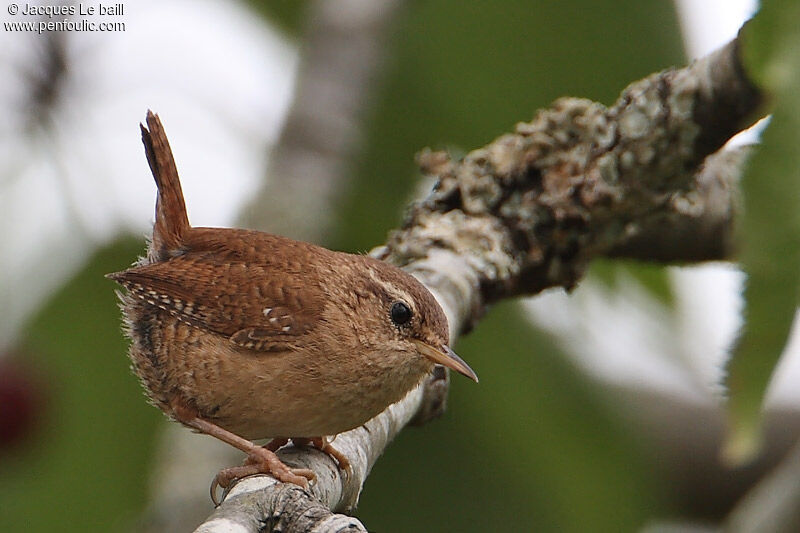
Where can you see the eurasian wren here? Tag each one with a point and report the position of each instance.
(246, 335)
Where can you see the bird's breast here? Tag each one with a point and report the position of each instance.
(295, 393)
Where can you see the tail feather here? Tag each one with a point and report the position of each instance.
(172, 222)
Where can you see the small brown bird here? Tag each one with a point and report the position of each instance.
(245, 335)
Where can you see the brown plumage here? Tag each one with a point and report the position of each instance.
(246, 335)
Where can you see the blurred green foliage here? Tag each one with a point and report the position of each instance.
(650, 276)
(87, 468)
(771, 224)
(288, 15)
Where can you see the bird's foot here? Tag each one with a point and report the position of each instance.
(261, 460)
(323, 445)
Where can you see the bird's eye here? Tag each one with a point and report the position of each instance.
(400, 313)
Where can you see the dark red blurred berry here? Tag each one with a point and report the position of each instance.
(21, 400)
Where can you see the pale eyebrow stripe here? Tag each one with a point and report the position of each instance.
(393, 292)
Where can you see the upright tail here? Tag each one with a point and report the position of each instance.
(172, 223)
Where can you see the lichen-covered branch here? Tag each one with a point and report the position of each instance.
(531, 209)
(695, 225)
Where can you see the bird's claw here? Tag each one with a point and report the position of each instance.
(260, 461)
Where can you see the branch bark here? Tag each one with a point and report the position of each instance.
(697, 224)
(531, 209)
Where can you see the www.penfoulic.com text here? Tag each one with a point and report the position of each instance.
(81, 17)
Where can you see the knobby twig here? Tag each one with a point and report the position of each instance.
(532, 208)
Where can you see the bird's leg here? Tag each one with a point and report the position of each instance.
(260, 460)
(273, 445)
(250, 467)
(323, 445)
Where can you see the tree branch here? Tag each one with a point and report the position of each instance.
(531, 209)
(695, 225)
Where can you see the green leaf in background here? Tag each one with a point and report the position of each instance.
(771, 225)
(288, 15)
(88, 467)
(650, 276)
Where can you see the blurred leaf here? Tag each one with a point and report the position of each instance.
(289, 15)
(652, 277)
(771, 224)
(88, 470)
(533, 447)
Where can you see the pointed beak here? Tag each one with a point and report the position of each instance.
(446, 357)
